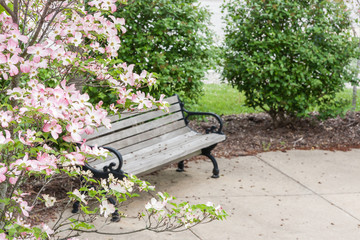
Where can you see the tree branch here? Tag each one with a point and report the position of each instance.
(8, 10)
(57, 10)
(25, 16)
(41, 22)
(16, 11)
(108, 233)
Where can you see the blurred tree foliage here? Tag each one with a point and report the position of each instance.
(288, 56)
(170, 38)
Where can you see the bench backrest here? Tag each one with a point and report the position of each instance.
(136, 130)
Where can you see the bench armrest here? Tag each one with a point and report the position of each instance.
(109, 168)
(213, 129)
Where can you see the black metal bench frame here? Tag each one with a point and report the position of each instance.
(115, 168)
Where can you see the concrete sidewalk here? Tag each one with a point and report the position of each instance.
(276, 195)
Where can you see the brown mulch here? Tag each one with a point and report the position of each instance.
(247, 134)
(57, 188)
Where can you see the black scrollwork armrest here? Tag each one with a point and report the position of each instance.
(109, 168)
(213, 129)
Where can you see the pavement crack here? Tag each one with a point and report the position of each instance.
(195, 234)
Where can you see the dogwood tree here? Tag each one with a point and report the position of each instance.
(45, 47)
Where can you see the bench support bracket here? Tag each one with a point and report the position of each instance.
(206, 152)
(180, 167)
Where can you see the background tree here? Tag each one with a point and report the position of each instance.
(288, 56)
(353, 7)
(170, 38)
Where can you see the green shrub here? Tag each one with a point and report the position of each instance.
(171, 38)
(288, 55)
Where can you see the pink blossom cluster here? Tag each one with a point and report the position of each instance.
(57, 51)
(104, 5)
(127, 88)
(64, 44)
(61, 104)
(62, 112)
(62, 38)
(10, 39)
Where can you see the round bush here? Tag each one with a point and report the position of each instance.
(288, 56)
(170, 38)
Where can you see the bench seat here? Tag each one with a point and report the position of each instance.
(145, 141)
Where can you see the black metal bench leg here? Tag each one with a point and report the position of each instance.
(207, 152)
(76, 207)
(115, 217)
(180, 167)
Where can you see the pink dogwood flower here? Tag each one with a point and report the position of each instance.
(77, 39)
(12, 61)
(25, 67)
(155, 204)
(46, 229)
(5, 118)
(49, 201)
(74, 159)
(142, 100)
(38, 51)
(16, 35)
(5, 139)
(75, 129)
(3, 170)
(54, 128)
(25, 208)
(46, 162)
(13, 46)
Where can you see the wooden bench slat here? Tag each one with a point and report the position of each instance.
(169, 145)
(183, 133)
(153, 149)
(171, 100)
(125, 123)
(146, 164)
(154, 157)
(116, 136)
(152, 137)
(146, 150)
(160, 135)
(171, 152)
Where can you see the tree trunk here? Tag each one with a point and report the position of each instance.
(3, 191)
(355, 90)
(354, 98)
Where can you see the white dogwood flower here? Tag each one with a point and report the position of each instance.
(49, 201)
(106, 208)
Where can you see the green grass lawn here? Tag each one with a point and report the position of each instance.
(222, 99)
(347, 95)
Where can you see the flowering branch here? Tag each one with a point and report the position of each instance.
(7, 9)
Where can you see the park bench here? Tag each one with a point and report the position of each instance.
(141, 142)
(144, 141)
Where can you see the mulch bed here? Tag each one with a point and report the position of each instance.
(248, 134)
